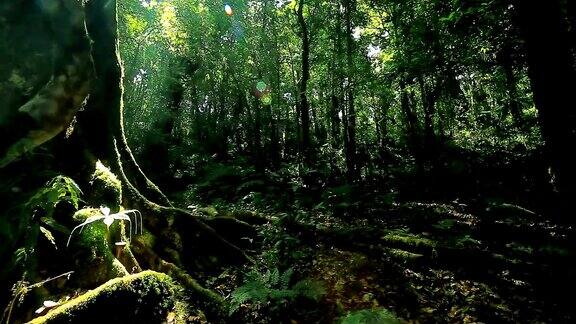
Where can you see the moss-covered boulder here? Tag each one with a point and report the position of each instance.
(147, 297)
(105, 188)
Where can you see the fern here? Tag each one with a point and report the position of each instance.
(59, 189)
(284, 279)
(371, 316)
(310, 289)
(273, 287)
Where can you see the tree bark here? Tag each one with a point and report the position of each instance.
(305, 149)
(53, 108)
(571, 11)
(350, 121)
(553, 81)
(337, 81)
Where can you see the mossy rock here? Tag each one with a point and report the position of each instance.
(106, 188)
(146, 297)
(93, 250)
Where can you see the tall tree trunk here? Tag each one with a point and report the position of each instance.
(571, 11)
(337, 81)
(275, 139)
(317, 124)
(274, 147)
(553, 79)
(350, 121)
(305, 149)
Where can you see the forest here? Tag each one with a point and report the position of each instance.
(287, 161)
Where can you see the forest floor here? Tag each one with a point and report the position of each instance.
(383, 260)
(394, 251)
(424, 262)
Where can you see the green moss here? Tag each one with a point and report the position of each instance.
(83, 214)
(147, 297)
(403, 256)
(408, 241)
(106, 188)
(209, 211)
(378, 315)
(146, 239)
(554, 251)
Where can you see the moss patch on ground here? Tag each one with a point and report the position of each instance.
(409, 241)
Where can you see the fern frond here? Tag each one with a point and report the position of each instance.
(310, 289)
(273, 286)
(285, 279)
(273, 278)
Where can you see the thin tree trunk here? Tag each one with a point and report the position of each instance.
(428, 103)
(257, 149)
(513, 104)
(382, 121)
(411, 125)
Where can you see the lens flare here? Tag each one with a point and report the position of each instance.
(228, 10)
(262, 91)
(266, 99)
(261, 86)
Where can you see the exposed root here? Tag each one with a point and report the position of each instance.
(234, 250)
(213, 303)
(140, 179)
(159, 217)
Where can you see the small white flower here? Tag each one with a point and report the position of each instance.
(108, 219)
